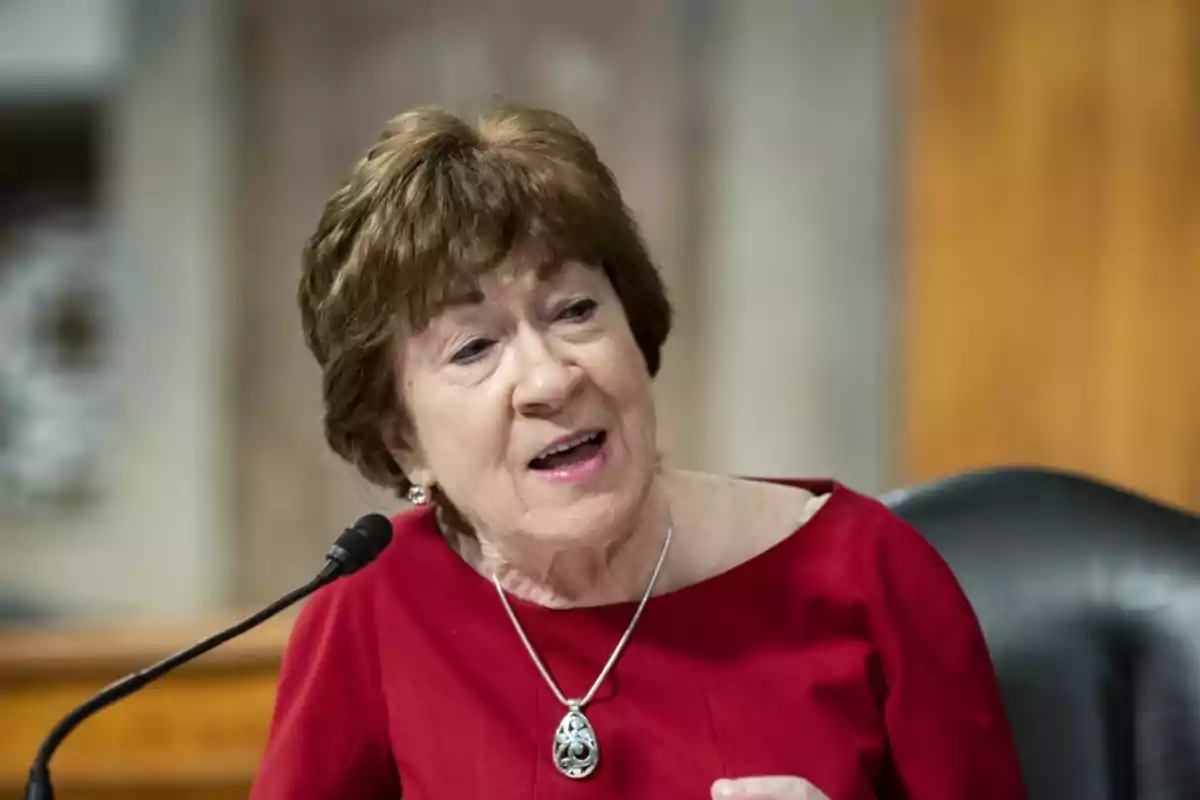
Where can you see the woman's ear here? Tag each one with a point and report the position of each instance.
(404, 449)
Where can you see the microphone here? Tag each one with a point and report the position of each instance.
(359, 545)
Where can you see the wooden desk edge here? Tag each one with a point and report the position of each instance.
(136, 644)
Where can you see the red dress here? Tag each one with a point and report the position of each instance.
(846, 655)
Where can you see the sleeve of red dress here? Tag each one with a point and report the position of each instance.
(947, 730)
(328, 736)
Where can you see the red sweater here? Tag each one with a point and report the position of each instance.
(846, 655)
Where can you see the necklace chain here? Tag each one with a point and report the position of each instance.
(576, 704)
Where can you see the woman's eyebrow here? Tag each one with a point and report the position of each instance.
(463, 298)
(549, 268)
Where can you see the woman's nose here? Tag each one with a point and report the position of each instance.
(548, 382)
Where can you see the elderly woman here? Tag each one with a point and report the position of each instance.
(560, 616)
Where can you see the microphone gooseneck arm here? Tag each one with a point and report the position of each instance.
(39, 786)
(358, 545)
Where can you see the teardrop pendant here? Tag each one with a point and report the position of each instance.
(576, 752)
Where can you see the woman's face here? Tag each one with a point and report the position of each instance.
(531, 406)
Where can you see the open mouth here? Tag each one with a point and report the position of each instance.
(571, 452)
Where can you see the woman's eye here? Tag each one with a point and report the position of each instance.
(578, 310)
(471, 351)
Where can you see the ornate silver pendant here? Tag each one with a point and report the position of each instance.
(576, 753)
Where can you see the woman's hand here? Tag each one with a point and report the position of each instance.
(766, 787)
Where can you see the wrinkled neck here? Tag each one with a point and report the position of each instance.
(614, 567)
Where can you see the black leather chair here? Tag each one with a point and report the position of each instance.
(1089, 597)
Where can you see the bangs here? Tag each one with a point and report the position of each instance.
(480, 209)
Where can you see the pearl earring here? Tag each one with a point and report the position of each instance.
(418, 495)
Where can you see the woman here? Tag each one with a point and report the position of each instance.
(559, 616)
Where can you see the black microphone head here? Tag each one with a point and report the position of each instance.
(360, 544)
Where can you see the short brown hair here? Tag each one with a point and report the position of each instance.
(432, 206)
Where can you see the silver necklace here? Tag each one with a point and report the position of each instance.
(576, 752)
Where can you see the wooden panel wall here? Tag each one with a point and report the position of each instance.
(1052, 289)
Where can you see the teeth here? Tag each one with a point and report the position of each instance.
(567, 445)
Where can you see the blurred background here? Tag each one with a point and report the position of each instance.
(903, 240)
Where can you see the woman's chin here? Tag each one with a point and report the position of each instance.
(594, 519)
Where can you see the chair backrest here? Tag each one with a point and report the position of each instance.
(1089, 597)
